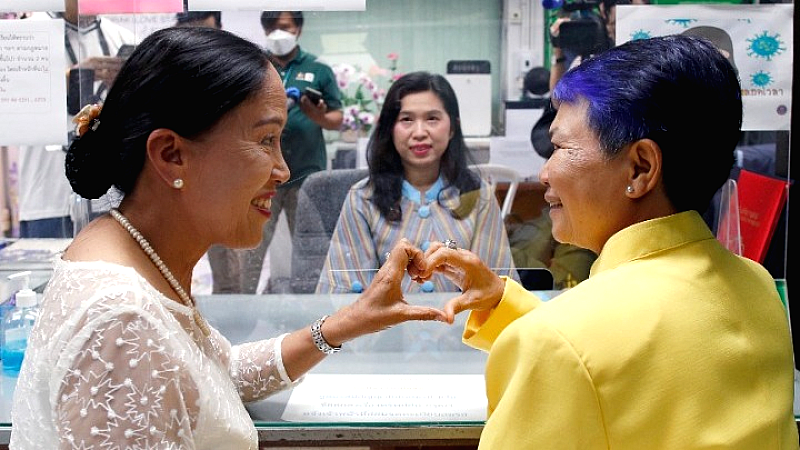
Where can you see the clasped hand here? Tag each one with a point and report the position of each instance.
(382, 305)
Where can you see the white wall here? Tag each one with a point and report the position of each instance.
(521, 41)
(523, 34)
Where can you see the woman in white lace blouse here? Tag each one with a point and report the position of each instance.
(119, 357)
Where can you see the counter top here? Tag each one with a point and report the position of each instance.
(429, 348)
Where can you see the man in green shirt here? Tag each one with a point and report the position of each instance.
(302, 143)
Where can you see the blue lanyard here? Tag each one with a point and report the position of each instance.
(287, 76)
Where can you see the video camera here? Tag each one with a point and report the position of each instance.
(585, 33)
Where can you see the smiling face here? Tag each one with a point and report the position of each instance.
(421, 135)
(239, 164)
(585, 189)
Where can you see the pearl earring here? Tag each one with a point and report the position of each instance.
(629, 189)
(178, 183)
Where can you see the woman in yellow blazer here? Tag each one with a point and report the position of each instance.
(673, 342)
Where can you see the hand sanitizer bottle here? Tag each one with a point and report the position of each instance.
(16, 328)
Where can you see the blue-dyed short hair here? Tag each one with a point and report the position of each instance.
(679, 91)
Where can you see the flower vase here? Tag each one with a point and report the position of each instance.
(348, 135)
(352, 135)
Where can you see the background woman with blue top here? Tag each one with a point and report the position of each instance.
(419, 187)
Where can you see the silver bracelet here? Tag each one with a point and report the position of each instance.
(319, 340)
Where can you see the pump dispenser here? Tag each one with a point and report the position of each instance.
(17, 325)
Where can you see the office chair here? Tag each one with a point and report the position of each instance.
(319, 203)
(494, 173)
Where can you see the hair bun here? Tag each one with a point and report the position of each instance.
(89, 166)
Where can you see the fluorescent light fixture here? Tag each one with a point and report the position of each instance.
(279, 5)
(129, 6)
(31, 5)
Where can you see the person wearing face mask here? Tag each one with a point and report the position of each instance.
(302, 143)
(120, 356)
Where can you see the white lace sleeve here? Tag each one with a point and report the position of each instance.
(257, 369)
(114, 364)
(125, 386)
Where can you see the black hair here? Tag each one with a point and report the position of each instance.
(537, 81)
(184, 79)
(385, 165)
(719, 37)
(190, 17)
(269, 18)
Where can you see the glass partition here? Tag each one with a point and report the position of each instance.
(497, 58)
(493, 54)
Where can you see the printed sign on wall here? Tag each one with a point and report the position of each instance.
(757, 39)
(33, 90)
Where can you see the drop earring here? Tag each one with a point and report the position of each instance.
(178, 183)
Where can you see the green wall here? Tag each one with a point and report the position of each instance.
(424, 33)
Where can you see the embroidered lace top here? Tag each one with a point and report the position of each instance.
(114, 364)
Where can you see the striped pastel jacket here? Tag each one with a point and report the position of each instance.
(362, 236)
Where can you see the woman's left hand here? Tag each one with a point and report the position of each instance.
(481, 288)
(315, 111)
(382, 305)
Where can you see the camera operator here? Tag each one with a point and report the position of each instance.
(581, 32)
(585, 28)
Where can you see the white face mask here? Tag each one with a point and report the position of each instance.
(280, 42)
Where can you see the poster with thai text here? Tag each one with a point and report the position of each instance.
(389, 398)
(33, 86)
(756, 38)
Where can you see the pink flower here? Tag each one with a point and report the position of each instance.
(392, 56)
(366, 118)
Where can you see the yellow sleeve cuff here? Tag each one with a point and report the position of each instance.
(482, 327)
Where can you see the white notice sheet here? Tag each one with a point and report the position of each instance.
(387, 398)
(33, 87)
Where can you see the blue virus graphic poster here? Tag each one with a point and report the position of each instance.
(757, 39)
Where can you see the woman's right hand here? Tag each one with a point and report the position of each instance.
(481, 289)
(383, 305)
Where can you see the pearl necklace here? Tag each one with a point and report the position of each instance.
(173, 282)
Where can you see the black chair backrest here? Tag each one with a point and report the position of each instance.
(319, 203)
